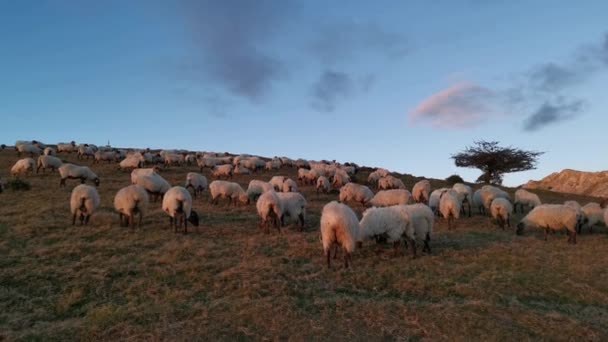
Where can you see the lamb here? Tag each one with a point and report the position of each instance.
(293, 204)
(129, 201)
(355, 192)
(525, 198)
(45, 161)
(594, 214)
(108, 156)
(388, 221)
(552, 217)
(220, 171)
(23, 167)
(386, 198)
(422, 220)
(154, 184)
(71, 171)
(269, 208)
(434, 199)
(177, 203)
(501, 210)
(143, 172)
(466, 193)
(49, 151)
(449, 206)
(323, 184)
(421, 191)
(132, 161)
(28, 148)
(390, 182)
(83, 202)
(277, 182)
(197, 182)
(289, 185)
(339, 226)
(230, 190)
(257, 188)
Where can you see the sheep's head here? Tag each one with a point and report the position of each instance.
(193, 218)
(520, 228)
(96, 181)
(244, 198)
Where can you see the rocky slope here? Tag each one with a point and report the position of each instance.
(573, 181)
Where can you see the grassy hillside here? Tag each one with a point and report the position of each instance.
(227, 280)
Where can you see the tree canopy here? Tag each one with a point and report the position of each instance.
(494, 161)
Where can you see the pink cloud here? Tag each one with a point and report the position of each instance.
(461, 105)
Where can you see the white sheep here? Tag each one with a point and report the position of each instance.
(289, 185)
(240, 170)
(422, 220)
(143, 172)
(390, 222)
(386, 198)
(28, 148)
(257, 188)
(49, 151)
(154, 184)
(46, 161)
(339, 226)
(277, 182)
(579, 209)
(525, 198)
(323, 184)
(171, 159)
(478, 201)
(421, 191)
(108, 156)
(22, 167)
(488, 193)
(270, 209)
(71, 171)
(273, 165)
(466, 193)
(177, 203)
(83, 202)
(373, 177)
(66, 147)
(355, 192)
(220, 171)
(130, 201)
(132, 161)
(390, 182)
(552, 217)
(449, 206)
(293, 205)
(229, 190)
(197, 182)
(594, 214)
(312, 176)
(501, 210)
(302, 175)
(85, 151)
(340, 179)
(434, 199)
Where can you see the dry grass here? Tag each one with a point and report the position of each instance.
(228, 281)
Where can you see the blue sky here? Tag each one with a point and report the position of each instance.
(397, 84)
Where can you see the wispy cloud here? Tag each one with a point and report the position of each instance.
(553, 112)
(331, 87)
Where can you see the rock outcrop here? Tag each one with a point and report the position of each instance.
(576, 182)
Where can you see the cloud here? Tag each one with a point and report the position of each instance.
(461, 105)
(331, 87)
(553, 112)
(551, 77)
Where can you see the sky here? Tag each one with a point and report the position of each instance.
(395, 84)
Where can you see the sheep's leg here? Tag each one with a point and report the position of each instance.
(328, 257)
(185, 223)
(74, 219)
(141, 218)
(509, 221)
(336, 249)
(450, 222)
(546, 233)
(469, 205)
(574, 238)
(414, 248)
(131, 221)
(346, 258)
(427, 246)
(86, 219)
(301, 217)
(396, 246)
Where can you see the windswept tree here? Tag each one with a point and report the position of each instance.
(494, 161)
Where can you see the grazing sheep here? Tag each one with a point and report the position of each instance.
(434, 199)
(85, 151)
(387, 198)
(273, 165)
(421, 191)
(323, 185)
(488, 193)
(277, 182)
(220, 171)
(83, 202)
(46, 161)
(340, 227)
(240, 170)
(197, 182)
(579, 209)
(130, 201)
(355, 192)
(552, 217)
(501, 210)
(422, 220)
(177, 203)
(108, 156)
(28, 148)
(449, 206)
(478, 202)
(289, 185)
(229, 190)
(312, 176)
(390, 222)
(594, 214)
(71, 171)
(525, 198)
(171, 159)
(65, 147)
(340, 179)
(374, 177)
(143, 172)
(133, 161)
(22, 167)
(49, 151)
(257, 188)
(293, 204)
(270, 210)
(154, 184)
(466, 193)
(389, 182)
(302, 175)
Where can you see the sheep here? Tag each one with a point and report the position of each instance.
(579, 209)
(355, 192)
(208, 162)
(49, 151)
(132, 161)
(277, 182)
(190, 159)
(65, 147)
(501, 210)
(434, 199)
(289, 185)
(197, 182)
(83, 202)
(421, 191)
(257, 188)
(142, 172)
(269, 207)
(240, 170)
(390, 222)
(323, 184)
(108, 156)
(28, 148)
(230, 190)
(478, 201)
(301, 163)
(129, 201)
(314, 174)
(302, 175)
(340, 179)
(373, 177)
(390, 182)
(552, 217)
(45, 161)
(339, 226)
(273, 165)
(220, 171)
(594, 214)
(525, 198)
(154, 184)
(466, 193)
(71, 171)
(386, 198)
(488, 193)
(23, 167)
(293, 204)
(422, 220)
(85, 151)
(171, 159)
(449, 206)
(177, 203)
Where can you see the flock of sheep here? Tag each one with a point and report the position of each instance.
(395, 214)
